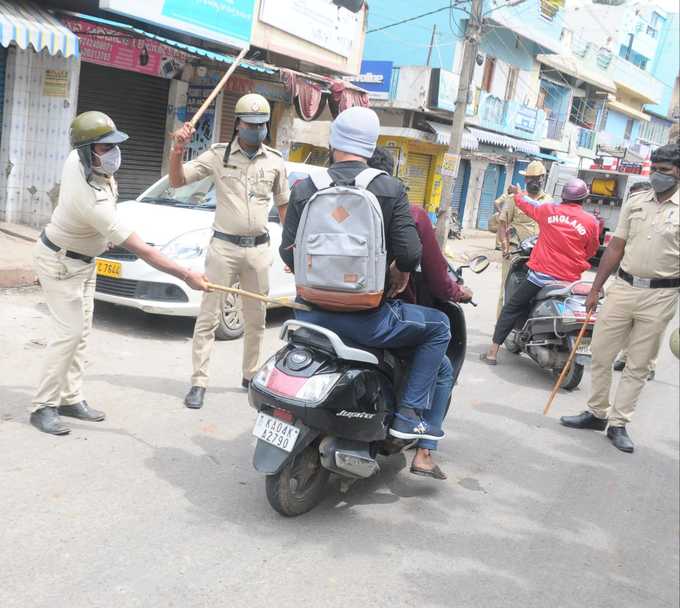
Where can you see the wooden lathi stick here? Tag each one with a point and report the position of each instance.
(218, 88)
(257, 296)
(566, 368)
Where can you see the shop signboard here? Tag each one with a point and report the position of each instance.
(375, 77)
(110, 47)
(322, 23)
(228, 22)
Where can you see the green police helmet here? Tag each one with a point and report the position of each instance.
(94, 128)
(675, 342)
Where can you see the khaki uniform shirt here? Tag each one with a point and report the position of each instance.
(244, 188)
(85, 219)
(652, 233)
(512, 216)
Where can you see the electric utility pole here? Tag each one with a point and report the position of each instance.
(452, 159)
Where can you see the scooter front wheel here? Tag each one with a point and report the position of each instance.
(573, 377)
(298, 487)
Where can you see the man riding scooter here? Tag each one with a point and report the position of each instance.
(436, 284)
(568, 238)
(392, 324)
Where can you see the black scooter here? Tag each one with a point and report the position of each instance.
(325, 406)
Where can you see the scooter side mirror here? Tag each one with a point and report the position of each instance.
(479, 264)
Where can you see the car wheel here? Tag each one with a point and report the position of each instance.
(231, 318)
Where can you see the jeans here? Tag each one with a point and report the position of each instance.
(435, 415)
(397, 325)
(514, 308)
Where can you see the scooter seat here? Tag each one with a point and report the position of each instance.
(552, 290)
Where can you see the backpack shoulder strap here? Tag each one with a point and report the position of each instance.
(364, 179)
(321, 180)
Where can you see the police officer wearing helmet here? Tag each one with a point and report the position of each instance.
(247, 174)
(510, 216)
(641, 301)
(83, 224)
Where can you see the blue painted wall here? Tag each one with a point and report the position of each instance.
(666, 63)
(503, 44)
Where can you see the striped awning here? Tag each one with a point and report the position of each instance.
(504, 141)
(26, 24)
(442, 134)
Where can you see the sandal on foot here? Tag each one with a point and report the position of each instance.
(435, 472)
(488, 360)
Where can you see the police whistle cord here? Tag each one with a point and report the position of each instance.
(257, 296)
(567, 367)
(220, 85)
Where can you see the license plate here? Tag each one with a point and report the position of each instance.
(276, 432)
(109, 269)
(584, 347)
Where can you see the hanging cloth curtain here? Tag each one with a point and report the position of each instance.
(307, 96)
(343, 97)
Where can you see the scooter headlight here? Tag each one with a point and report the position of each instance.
(312, 389)
(262, 376)
(317, 387)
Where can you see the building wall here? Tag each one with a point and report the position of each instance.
(615, 127)
(34, 136)
(666, 64)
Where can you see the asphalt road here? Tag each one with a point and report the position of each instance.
(160, 506)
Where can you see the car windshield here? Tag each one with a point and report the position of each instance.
(200, 194)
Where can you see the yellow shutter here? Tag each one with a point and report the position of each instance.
(417, 174)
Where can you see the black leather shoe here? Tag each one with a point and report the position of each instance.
(584, 420)
(651, 376)
(619, 437)
(194, 398)
(619, 364)
(47, 420)
(245, 383)
(82, 411)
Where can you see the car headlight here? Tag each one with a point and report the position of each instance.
(189, 245)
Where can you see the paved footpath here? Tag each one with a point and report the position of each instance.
(159, 506)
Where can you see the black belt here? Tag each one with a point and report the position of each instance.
(69, 254)
(649, 283)
(243, 241)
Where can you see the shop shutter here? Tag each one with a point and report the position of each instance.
(227, 121)
(417, 174)
(460, 188)
(138, 105)
(488, 196)
(3, 61)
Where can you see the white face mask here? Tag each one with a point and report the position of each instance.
(110, 161)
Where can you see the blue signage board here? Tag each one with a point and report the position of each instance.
(376, 78)
(226, 21)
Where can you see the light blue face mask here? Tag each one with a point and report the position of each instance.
(253, 137)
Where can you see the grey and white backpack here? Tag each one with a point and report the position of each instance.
(340, 251)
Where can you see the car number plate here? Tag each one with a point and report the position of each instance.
(109, 269)
(276, 432)
(584, 347)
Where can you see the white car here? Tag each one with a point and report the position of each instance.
(179, 222)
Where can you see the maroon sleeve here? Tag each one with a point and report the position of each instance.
(433, 265)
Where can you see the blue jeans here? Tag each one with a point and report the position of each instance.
(397, 325)
(435, 415)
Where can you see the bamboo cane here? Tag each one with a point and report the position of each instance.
(218, 88)
(566, 368)
(257, 296)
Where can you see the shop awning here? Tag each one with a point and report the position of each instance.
(442, 134)
(504, 141)
(570, 65)
(547, 156)
(29, 25)
(188, 48)
(624, 108)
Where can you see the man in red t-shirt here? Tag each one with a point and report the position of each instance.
(568, 237)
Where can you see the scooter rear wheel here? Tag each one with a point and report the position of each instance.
(299, 486)
(573, 377)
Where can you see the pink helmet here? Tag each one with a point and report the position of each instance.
(575, 190)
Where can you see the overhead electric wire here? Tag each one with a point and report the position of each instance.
(415, 17)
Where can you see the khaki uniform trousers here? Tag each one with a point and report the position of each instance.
(68, 286)
(226, 264)
(505, 270)
(635, 317)
(623, 356)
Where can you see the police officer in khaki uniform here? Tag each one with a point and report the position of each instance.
(247, 176)
(511, 217)
(83, 224)
(641, 301)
